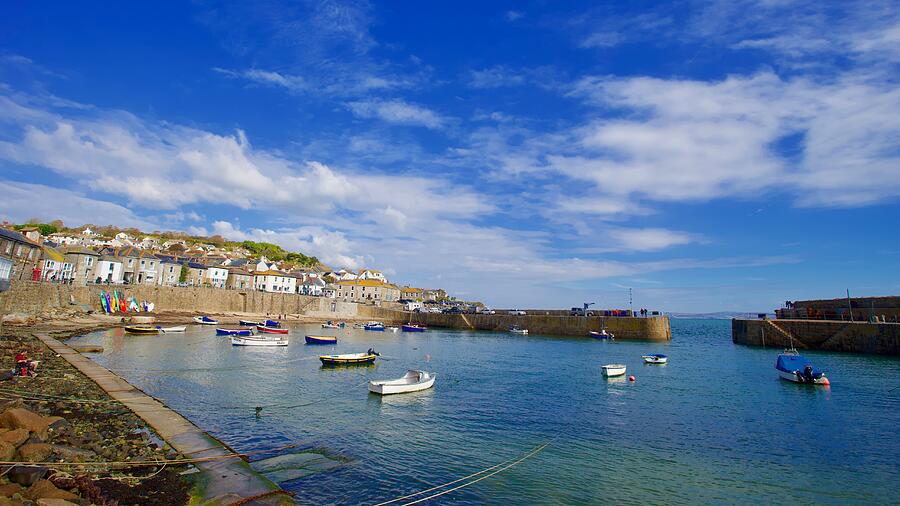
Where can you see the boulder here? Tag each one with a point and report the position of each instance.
(21, 418)
(15, 402)
(55, 502)
(43, 489)
(15, 437)
(7, 451)
(72, 454)
(9, 489)
(27, 475)
(35, 452)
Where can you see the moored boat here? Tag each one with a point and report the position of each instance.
(413, 327)
(330, 325)
(321, 340)
(516, 330)
(234, 332)
(374, 326)
(392, 329)
(348, 359)
(205, 320)
(172, 329)
(602, 334)
(141, 329)
(655, 358)
(793, 366)
(271, 330)
(412, 381)
(248, 323)
(611, 370)
(270, 323)
(258, 341)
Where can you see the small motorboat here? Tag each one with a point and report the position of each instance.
(516, 330)
(655, 358)
(412, 381)
(234, 332)
(413, 327)
(321, 340)
(392, 329)
(141, 329)
(374, 326)
(171, 329)
(271, 330)
(205, 320)
(330, 325)
(359, 326)
(248, 323)
(270, 323)
(793, 366)
(348, 359)
(258, 341)
(611, 370)
(602, 334)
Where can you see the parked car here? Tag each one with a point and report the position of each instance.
(579, 311)
(453, 310)
(517, 312)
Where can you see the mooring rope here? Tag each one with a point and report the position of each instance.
(503, 466)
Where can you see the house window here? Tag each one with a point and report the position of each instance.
(8, 247)
(142, 263)
(19, 250)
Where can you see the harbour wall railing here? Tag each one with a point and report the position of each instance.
(853, 337)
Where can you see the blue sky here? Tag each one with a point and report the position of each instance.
(710, 155)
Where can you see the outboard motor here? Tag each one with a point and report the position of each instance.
(808, 374)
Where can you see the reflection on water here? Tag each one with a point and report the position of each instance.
(715, 425)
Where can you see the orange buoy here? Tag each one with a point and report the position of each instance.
(631, 378)
(826, 382)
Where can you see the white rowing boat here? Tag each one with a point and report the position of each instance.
(656, 358)
(516, 330)
(611, 370)
(172, 329)
(412, 381)
(258, 341)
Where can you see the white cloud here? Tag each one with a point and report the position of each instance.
(648, 239)
(22, 201)
(266, 77)
(513, 15)
(397, 111)
(495, 77)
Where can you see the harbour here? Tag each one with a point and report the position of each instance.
(491, 402)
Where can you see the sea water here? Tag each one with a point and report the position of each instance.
(714, 425)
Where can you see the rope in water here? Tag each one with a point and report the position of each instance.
(503, 466)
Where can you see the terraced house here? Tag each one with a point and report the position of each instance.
(367, 290)
(19, 256)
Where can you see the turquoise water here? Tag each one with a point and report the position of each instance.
(715, 425)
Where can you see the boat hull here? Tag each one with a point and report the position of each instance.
(234, 332)
(413, 328)
(796, 378)
(270, 330)
(208, 321)
(257, 341)
(321, 340)
(613, 370)
(141, 330)
(655, 359)
(330, 326)
(374, 329)
(401, 386)
(600, 335)
(347, 359)
(172, 329)
(247, 323)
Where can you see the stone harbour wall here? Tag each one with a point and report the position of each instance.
(651, 328)
(856, 337)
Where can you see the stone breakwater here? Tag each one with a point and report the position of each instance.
(654, 328)
(853, 337)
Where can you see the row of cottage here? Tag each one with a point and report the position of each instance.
(28, 257)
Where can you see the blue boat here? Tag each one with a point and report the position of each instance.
(247, 323)
(793, 366)
(412, 327)
(374, 326)
(603, 334)
(271, 324)
(321, 340)
(234, 332)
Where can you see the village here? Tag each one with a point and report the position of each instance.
(87, 257)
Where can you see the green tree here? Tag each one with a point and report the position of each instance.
(184, 273)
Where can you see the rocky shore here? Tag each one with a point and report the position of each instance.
(60, 418)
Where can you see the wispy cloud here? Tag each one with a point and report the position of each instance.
(398, 112)
(266, 77)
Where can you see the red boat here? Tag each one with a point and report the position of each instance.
(271, 330)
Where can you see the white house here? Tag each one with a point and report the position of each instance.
(55, 267)
(345, 275)
(217, 276)
(274, 282)
(311, 285)
(371, 274)
(146, 270)
(110, 270)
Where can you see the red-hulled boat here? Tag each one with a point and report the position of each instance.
(271, 330)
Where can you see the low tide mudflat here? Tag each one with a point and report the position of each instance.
(714, 425)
